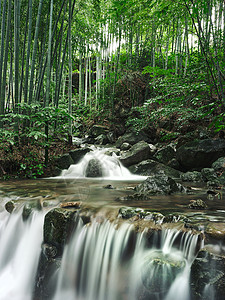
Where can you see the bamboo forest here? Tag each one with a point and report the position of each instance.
(112, 149)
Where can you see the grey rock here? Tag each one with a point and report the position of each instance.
(208, 269)
(101, 139)
(9, 206)
(158, 184)
(78, 154)
(150, 167)
(208, 174)
(125, 146)
(165, 154)
(96, 130)
(194, 176)
(64, 161)
(200, 154)
(132, 138)
(94, 168)
(219, 164)
(136, 154)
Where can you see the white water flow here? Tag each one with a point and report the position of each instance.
(111, 167)
(105, 263)
(19, 254)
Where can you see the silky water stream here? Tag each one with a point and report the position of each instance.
(102, 260)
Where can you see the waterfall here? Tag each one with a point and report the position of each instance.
(105, 263)
(19, 254)
(99, 165)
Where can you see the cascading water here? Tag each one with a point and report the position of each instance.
(98, 164)
(102, 263)
(19, 254)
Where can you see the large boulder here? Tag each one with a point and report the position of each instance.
(78, 154)
(58, 224)
(149, 167)
(165, 154)
(200, 154)
(133, 138)
(158, 184)
(94, 168)
(64, 161)
(208, 276)
(137, 153)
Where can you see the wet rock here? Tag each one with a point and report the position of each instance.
(208, 276)
(215, 231)
(94, 168)
(125, 146)
(78, 154)
(9, 206)
(64, 161)
(200, 154)
(128, 212)
(197, 204)
(136, 154)
(192, 176)
(208, 174)
(165, 154)
(158, 184)
(31, 206)
(109, 187)
(150, 167)
(58, 224)
(159, 271)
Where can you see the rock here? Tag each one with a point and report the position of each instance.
(101, 139)
(132, 138)
(125, 146)
(30, 206)
(197, 204)
(57, 226)
(109, 187)
(96, 130)
(165, 154)
(94, 168)
(78, 154)
(200, 154)
(192, 176)
(9, 206)
(173, 163)
(64, 161)
(73, 204)
(158, 184)
(111, 137)
(136, 154)
(127, 212)
(215, 231)
(134, 197)
(208, 276)
(150, 167)
(208, 174)
(159, 271)
(219, 164)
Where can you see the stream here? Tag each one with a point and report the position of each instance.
(101, 261)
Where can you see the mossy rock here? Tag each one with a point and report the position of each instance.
(57, 226)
